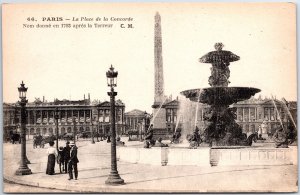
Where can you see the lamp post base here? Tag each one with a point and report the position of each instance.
(93, 142)
(27, 161)
(23, 171)
(114, 179)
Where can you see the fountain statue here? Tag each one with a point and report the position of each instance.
(280, 138)
(220, 127)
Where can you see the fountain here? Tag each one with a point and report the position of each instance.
(221, 128)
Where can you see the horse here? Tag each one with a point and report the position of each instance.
(38, 141)
(15, 137)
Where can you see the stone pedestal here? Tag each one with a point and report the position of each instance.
(159, 122)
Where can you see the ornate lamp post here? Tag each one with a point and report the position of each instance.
(93, 124)
(114, 177)
(74, 132)
(56, 123)
(97, 130)
(23, 169)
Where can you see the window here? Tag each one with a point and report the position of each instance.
(240, 114)
(259, 115)
(247, 128)
(100, 112)
(266, 113)
(87, 114)
(63, 114)
(168, 118)
(252, 114)
(272, 114)
(246, 114)
(81, 113)
(253, 128)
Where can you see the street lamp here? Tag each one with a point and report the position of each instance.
(23, 169)
(74, 131)
(97, 130)
(93, 123)
(114, 177)
(56, 123)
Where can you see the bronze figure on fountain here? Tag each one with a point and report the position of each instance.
(280, 138)
(149, 141)
(194, 139)
(176, 136)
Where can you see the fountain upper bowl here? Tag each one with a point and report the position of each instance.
(220, 95)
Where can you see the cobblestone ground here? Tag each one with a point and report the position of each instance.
(94, 168)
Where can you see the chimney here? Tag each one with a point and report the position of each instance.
(43, 99)
(89, 96)
(84, 96)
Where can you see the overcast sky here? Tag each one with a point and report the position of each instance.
(68, 63)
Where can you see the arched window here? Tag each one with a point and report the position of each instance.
(62, 130)
(50, 130)
(38, 131)
(44, 131)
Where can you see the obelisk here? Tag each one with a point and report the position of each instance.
(159, 113)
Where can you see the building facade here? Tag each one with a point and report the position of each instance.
(79, 115)
(136, 120)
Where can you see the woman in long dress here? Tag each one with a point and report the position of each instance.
(52, 154)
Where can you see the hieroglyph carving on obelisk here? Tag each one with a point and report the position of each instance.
(159, 113)
(158, 61)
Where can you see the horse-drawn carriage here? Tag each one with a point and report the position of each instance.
(15, 138)
(42, 140)
(38, 141)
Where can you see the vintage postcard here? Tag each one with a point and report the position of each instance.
(149, 97)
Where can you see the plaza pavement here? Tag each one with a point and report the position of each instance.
(94, 168)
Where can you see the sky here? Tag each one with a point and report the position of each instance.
(66, 63)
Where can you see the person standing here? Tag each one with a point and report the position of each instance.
(73, 162)
(66, 152)
(52, 154)
(61, 159)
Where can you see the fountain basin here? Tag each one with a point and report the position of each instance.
(223, 156)
(220, 95)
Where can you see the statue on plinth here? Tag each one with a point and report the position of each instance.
(195, 139)
(149, 138)
(176, 136)
(280, 138)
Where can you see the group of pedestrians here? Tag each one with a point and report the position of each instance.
(66, 157)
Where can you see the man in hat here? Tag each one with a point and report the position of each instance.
(66, 152)
(72, 164)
